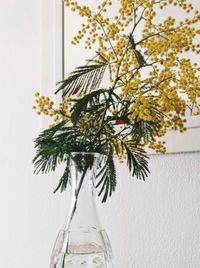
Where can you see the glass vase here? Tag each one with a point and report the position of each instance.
(82, 243)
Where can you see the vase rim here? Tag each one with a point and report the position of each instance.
(87, 153)
(97, 157)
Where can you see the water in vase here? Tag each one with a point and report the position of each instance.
(84, 256)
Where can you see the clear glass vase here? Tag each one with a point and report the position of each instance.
(82, 243)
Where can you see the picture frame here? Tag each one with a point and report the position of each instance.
(56, 50)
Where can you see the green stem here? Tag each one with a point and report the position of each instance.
(76, 200)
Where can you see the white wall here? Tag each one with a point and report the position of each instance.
(20, 202)
(151, 225)
(155, 224)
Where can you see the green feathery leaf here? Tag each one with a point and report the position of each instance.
(136, 159)
(64, 179)
(52, 146)
(84, 78)
(144, 131)
(81, 104)
(107, 176)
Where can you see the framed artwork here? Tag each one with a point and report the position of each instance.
(59, 58)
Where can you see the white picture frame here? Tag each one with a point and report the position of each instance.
(54, 61)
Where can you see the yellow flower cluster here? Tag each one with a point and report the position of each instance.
(189, 82)
(188, 7)
(143, 109)
(88, 123)
(158, 147)
(45, 106)
(196, 110)
(154, 72)
(119, 153)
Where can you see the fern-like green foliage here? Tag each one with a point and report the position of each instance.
(55, 145)
(136, 159)
(65, 177)
(81, 105)
(87, 77)
(107, 175)
(93, 130)
(50, 151)
(143, 131)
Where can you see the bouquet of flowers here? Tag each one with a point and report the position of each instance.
(153, 80)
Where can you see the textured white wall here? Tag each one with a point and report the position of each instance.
(20, 64)
(155, 224)
(151, 225)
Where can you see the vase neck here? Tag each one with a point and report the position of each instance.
(83, 169)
